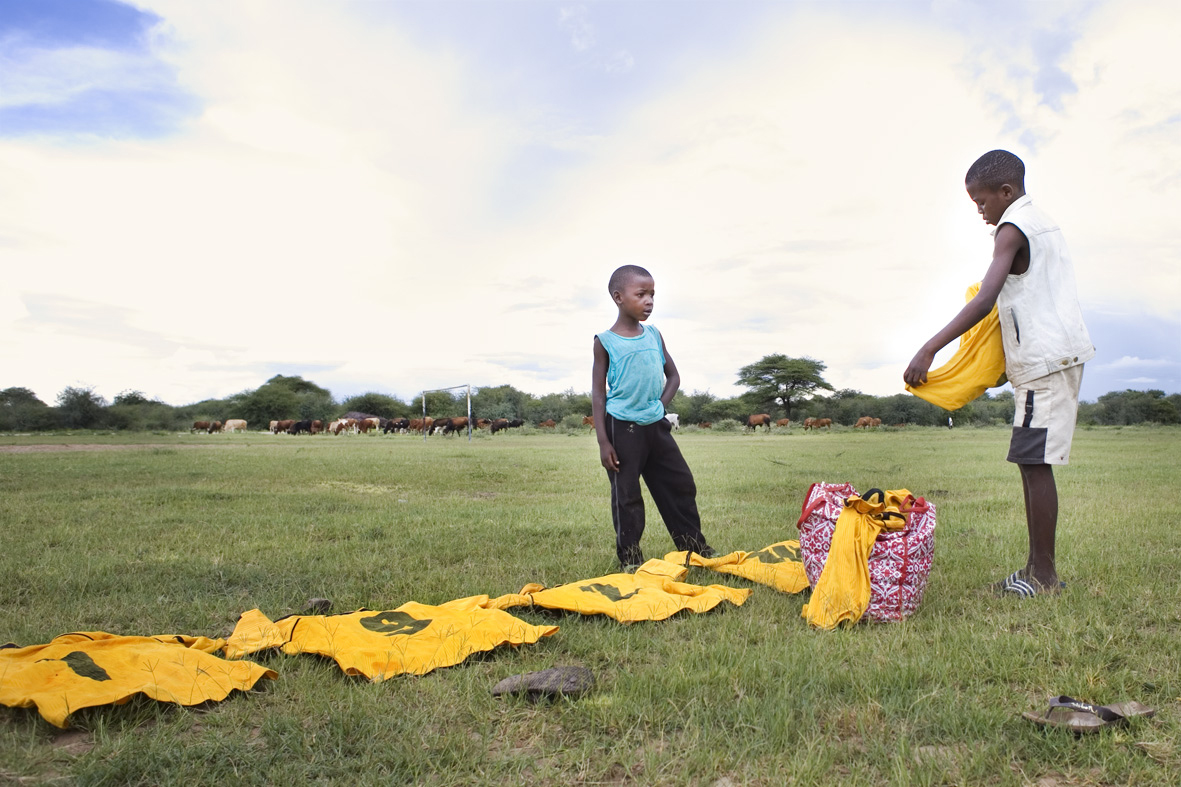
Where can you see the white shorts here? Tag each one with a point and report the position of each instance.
(1043, 425)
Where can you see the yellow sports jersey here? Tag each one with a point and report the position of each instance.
(654, 592)
(777, 566)
(89, 668)
(842, 592)
(414, 638)
(977, 365)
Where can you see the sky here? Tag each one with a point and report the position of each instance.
(398, 196)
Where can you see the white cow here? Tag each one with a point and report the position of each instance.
(673, 419)
(234, 425)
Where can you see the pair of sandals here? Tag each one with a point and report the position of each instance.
(1082, 717)
(1022, 586)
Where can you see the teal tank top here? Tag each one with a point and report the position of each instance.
(635, 375)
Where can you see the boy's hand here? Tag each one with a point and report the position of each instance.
(608, 458)
(916, 372)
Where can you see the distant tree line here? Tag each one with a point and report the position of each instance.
(784, 387)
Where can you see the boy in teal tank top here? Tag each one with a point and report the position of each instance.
(633, 380)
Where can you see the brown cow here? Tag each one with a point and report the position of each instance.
(547, 424)
(783, 422)
(588, 420)
(200, 426)
(876, 422)
(755, 421)
(365, 424)
(499, 424)
(284, 426)
(214, 426)
(864, 422)
(823, 423)
(809, 423)
(317, 427)
(705, 425)
(453, 425)
(483, 423)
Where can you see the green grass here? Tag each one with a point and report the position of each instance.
(187, 532)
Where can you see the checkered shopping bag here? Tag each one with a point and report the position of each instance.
(899, 563)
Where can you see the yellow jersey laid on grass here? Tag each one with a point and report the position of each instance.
(777, 565)
(412, 639)
(90, 668)
(654, 592)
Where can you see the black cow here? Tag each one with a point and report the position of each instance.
(300, 426)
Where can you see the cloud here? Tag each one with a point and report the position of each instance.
(797, 192)
(85, 70)
(574, 20)
(618, 62)
(1132, 362)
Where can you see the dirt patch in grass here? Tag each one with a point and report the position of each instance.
(74, 742)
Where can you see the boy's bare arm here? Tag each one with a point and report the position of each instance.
(1009, 241)
(599, 407)
(672, 378)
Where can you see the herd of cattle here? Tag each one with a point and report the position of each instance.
(753, 422)
(363, 424)
(231, 425)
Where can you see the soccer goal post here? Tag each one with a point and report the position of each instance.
(467, 386)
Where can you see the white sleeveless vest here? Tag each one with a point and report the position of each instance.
(1041, 323)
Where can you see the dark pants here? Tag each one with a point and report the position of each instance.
(651, 453)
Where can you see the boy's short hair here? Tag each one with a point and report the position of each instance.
(623, 275)
(996, 168)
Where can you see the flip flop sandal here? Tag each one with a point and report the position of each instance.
(1084, 717)
(1016, 585)
(1114, 711)
(1023, 588)
(999, 587)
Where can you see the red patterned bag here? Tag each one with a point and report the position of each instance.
(899, 563)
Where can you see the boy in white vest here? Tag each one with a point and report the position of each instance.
(1031, 280)
(632, 381)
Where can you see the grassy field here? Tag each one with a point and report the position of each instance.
(183, 533)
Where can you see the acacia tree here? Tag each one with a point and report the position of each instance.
(784, 380)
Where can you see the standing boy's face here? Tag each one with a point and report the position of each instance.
(635, 297)
(991, 203)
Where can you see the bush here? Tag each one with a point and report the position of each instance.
(80, 408)
(573, 423)
(727, 425)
